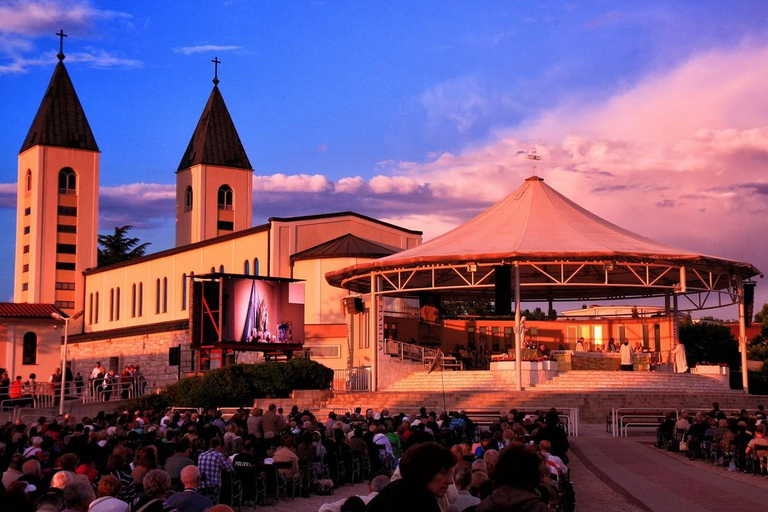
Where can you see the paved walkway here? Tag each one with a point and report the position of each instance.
(641, 477)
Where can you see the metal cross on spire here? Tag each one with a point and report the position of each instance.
(533, 156)
(61, 35)
(216, 63)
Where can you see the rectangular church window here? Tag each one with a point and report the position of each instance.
(68, 211)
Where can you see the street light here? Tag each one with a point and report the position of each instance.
(65, 319)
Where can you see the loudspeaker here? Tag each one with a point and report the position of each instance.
(503, 290)
(749, 302)
(354, 305)
(174, 356)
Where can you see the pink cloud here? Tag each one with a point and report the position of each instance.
(292, 183)
(41, 16)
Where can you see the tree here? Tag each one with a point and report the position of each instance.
(118, 247)
(761, 317)
(709, 343)
(536, 314)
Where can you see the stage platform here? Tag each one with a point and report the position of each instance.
(595, 393)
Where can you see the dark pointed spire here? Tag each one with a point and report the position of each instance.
(215, 141)
(60, 120)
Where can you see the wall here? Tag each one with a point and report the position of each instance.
(49, 336)
(150, 351)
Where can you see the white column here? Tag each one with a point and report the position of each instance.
(518, 333)
(373, 334)
(743, 339)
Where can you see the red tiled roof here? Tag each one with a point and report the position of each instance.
(23, 310)
(60, 120)
(215, 141)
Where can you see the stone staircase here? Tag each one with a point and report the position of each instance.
(586, 381)
(594, 393)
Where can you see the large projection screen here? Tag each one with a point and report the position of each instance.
(235, 309)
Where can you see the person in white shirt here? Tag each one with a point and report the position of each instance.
(626, 357)
(553, 460)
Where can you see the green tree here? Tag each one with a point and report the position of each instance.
(761, 317)
(709, 343)
(536, 314)
(118, 247)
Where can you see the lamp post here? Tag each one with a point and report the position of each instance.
(65, 319)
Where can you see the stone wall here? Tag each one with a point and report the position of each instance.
(600, 362)
(149, 351)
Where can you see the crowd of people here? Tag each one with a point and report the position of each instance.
(736, 441)
(199, 460)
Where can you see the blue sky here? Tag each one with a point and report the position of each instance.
(419, 113)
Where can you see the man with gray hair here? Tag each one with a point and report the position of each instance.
(378, 483)
(190, 499)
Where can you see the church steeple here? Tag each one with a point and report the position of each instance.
(60, 120)
(213, 180)
(215, 140)
(57, 199)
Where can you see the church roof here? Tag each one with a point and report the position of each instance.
(345, 246)
(24, 310)
(60, 120)
(215, 141)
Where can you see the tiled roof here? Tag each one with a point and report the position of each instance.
(215, 141)
(23, 310)
(345, 246)
(60, 120)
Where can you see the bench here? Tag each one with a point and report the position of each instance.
(622, 418)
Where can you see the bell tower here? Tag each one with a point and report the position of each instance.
(57, 199)
(213, 180)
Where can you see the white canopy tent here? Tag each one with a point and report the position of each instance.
(559, 252)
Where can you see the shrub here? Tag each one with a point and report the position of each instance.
(239, 385)
(711, 343)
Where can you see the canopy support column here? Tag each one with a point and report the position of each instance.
(518, 332)
(373, 336)
(743, 338)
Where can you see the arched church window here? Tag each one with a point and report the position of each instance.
(96, 309)
(141, 299)
(255, 266)
(157, 297)
(183, 292)
(133, 300)
(117, 303)
(67, 182)
(188, 199)
(165, 295)
(111, 304)
(221, 269)
(28, 182)
(247, 267)
(225, 197)
(29, 349)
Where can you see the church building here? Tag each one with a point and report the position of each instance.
(138, 312)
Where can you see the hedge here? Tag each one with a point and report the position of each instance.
(238, 385)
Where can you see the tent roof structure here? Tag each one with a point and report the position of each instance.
(549, 233)
(347, 245)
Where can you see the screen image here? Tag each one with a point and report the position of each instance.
(248, 311)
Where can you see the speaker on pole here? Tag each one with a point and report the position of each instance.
(503, 290)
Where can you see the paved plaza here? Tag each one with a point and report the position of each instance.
(625, 475)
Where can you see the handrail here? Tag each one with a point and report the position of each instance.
(416, 352)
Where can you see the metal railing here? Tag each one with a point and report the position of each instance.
(619, 426)
(408, 351)
(352, 379)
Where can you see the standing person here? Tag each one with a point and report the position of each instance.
(79, 384)
(612, 346)
(5, 384)
(680, 360)
(109, 382)
(97, 369)
(271, 423)
(55, 381)
(626, 357)
(580, 345)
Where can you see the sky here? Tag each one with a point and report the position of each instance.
(651, 114)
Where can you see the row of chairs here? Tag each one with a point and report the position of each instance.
(718, 451)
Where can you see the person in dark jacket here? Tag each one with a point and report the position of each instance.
(426, 475)
(518, 474)
(556, 435)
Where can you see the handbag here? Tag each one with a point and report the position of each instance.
(683, 446)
